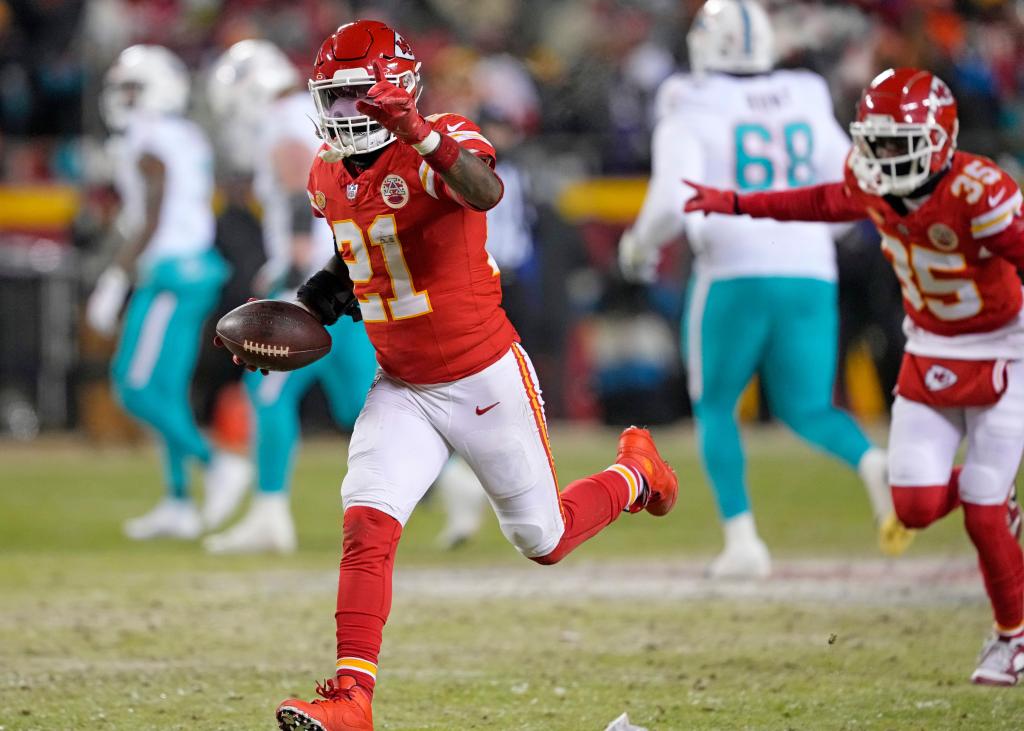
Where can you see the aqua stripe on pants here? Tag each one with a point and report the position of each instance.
(156, 355)
(784, 328)
(345, 374)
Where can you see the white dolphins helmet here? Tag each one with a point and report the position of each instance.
(733, 36)
(144, 78)
(242, 85)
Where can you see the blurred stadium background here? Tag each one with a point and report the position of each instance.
(569, 83)
(143, 637)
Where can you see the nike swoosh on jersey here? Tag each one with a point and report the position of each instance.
(995, 200)
(453, 127)
(481, 412)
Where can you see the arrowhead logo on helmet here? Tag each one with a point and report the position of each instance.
(343, 73)
(905, 131)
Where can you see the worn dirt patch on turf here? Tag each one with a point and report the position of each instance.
(918, 581)
(925, 582)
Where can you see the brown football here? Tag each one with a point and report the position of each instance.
(278, 336)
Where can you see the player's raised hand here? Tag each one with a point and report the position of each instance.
(711, 200)
(394, 108)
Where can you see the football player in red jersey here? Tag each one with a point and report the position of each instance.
(406, 199)
(951, 226)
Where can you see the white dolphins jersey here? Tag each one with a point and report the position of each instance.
(289, 118)
(186, 225)
(772, 131)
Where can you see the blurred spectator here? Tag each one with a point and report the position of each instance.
(567, 88)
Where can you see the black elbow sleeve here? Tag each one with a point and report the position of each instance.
(329, 298)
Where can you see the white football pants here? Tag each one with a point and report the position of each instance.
(493, 419)
(923, 442)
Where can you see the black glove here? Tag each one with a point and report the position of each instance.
(329, 297)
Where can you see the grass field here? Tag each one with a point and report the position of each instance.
(100, 633)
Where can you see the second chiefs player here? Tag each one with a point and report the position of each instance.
(405, 198)
(951, 226)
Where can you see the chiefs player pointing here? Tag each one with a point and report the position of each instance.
(405, 197)
(951, 226)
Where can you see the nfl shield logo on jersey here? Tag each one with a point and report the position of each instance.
(939, 378)
(394, 191)
(350, 191)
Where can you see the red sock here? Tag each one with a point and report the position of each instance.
(1001, 562)
(364, 591)
(588, 506)
(920, 506)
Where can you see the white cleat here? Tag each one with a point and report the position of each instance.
(745, 555)
(747, 560)
(1001, 662)
(227, 479)
(266, 528)
(463, 499)
(169, 519)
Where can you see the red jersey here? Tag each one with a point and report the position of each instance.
(955, 255)
(428, 291)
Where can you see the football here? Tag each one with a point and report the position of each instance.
(274, 335)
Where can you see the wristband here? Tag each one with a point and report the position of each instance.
(443, 158)
(327, 297)
(429, 143)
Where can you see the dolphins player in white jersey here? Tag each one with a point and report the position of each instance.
(164, 175)
(753, 309)
(265, 116)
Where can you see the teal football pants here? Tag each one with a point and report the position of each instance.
(157, 352)
(345, 374)
(784, 328)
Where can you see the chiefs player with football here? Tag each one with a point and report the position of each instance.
(951, 226)
(406, 199)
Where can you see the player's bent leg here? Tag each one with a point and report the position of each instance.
(922, 447)
(591, 504)
(918, 506)
(498, 426)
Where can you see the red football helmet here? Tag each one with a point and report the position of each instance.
(343, 73)
(905, 131)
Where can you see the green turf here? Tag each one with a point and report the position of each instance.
(97, 632)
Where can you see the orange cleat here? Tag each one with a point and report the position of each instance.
(343, 706)
(636, 449)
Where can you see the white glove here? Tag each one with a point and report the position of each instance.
(638, 263)
(107, 299)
